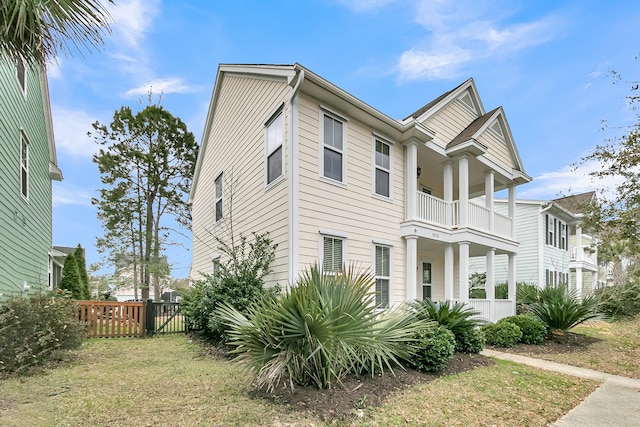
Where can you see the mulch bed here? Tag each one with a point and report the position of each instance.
(360, 391)
(568, 342)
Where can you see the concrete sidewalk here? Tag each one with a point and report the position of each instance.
(615, 403)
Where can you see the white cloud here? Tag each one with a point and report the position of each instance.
(464, 31)
(166, 85)
(70, 130)
(132, 20)
(69, 194)
(568, 180)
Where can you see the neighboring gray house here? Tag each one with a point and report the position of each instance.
(554, 249)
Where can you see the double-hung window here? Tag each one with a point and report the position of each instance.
(332, 254)
(275, 138)
(382, 168)
(333, 148)
(24, 165)
(383, 275)
(218, 197)
(21, 75)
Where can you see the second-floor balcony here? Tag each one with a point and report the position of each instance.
(584, 253)
(451, 215)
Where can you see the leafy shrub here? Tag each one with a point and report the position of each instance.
(433, 348)
(470, 341)
(321, 330)
(503, 334)
(458, 317)
(33, 329)
(238, 282)
(533, 330)
(620, 300)
(561, 309)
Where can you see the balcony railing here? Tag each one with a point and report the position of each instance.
(447, 214)
(584, 253)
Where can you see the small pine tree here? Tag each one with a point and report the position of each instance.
(82, 270)
(70, 280)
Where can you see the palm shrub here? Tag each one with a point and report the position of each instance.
(561, 309)
(621, 300)
(533, 330)
(323, 329)
(503, 334)
(434, 347)
(458, 317)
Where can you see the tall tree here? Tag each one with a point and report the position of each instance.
(146, 164)
(78, 255)
(70, 280)
(37, 30)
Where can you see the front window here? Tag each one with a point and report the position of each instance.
(216, 264)
(24, 166)
(383, 168)
(275, 138)
(333, 150)
(332, 254)
(426, 280)
(218, 198)
(383, 273)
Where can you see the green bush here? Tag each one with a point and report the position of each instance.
(621, 300)
(470, 341)
(458, 317)
(321, 330)
(34, 329)
(503, 334)
(561, 309)
(533, 330)
(238, 282)
(433, 348)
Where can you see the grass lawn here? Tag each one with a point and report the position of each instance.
(167, 381)
(617, 353)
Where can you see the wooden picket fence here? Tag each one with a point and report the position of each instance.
(112, 318)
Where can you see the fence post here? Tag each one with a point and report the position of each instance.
(150, 316)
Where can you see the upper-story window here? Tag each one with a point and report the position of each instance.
(549, 229)
(275, 139)
(333, 147)
(24, 165)
(218, 197)
(382, 176)
(21, 75)
(563, 236)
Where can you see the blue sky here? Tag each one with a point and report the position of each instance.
(546, 62)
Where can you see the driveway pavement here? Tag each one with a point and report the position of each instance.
(615, 403)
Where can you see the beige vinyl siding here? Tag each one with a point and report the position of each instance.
(497, 150)
(350, 210)
(450, 121)
(237, 149)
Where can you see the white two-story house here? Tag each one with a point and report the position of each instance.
(335, 181)
(554, 248)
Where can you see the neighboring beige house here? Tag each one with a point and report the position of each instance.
(335, 181)
(554, 248)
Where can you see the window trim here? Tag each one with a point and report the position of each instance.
(388, 278)
(343, 152)
(218, 198)
(215, 263)
(24, 166)
(275, 116)
(422, 282)
(377, 138)
(331, 235)
(22, 83)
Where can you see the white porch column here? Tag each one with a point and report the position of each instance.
(579, 282)
(579, 250)
(489, 189)
(449, 272)
(512, 209)
(411, 179)
(463, 189)
(463, 262)
(412, 268)
(448, 192)
(511, 279)
(490, 283)
(594, 280)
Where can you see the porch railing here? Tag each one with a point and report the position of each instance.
(583, 253)
(503, 308)
(447, 214)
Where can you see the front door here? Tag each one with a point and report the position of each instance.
(426, 280)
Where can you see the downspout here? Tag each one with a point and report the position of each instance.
(541, 210)
(294, 182)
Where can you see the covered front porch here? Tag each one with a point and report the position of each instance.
(439, 270)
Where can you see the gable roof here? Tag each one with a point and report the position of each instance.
(576, 203)
(473, 130)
